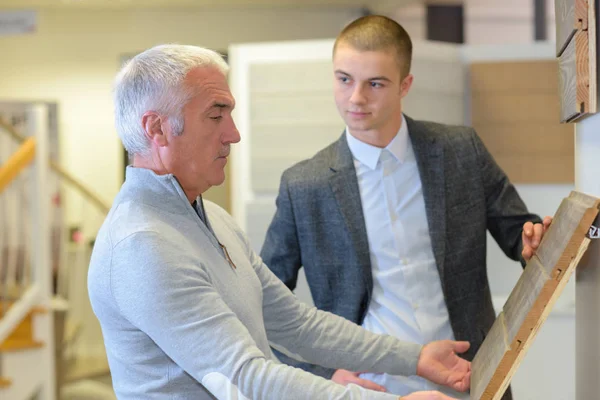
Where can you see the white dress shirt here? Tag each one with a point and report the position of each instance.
(407, 300)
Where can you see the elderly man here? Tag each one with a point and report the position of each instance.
(187, 309)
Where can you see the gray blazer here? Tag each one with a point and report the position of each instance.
(319, 225)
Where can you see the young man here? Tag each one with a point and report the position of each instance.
(389, 222)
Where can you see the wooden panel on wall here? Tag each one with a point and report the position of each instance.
(576, 52)
(517, 107)
(569, 106)
(566, 23)
(532, 75)
(538, 169)
(514, 108)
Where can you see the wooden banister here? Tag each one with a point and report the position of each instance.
(78, 185)
(17, 163)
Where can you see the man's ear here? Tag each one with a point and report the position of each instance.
(405, 85)
(152, 123)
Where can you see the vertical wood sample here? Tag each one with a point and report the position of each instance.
(569, 106)
(532, 299)
(567, 21)
(576, 52)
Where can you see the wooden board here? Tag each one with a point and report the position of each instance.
(491, 359)
(523, 297)
(564, 11)
(532, 299)
(568, 14)
(569, 107)
(576, 52)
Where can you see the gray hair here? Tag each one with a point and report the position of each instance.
(153, 81)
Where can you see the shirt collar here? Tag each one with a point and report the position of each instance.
(369, 155)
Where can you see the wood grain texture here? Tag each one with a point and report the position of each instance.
(489, 357)
(569, 108)
(564, 11)
(523, 297)
(556, 246)
(524, 313)
(577, 64)
(571, 15)
(582, 66)
(592, 59)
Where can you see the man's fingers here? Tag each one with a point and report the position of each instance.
(463, 384)
(547, 221)
(537, 235)
(461, 347)
(528, 229)
(527, 253)
(440, 396)
(367, 384)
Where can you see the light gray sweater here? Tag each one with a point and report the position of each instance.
(180, 322)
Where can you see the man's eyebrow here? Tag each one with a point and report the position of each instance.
(218, 105)
(380, 78)
(339, 71)
(375, 78)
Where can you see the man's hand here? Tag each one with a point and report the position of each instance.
(440, 364)
(426, 396)
(344, 377)
(532, 236)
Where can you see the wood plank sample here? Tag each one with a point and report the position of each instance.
(570, 15)
(576, 52)
(490, 356)
(569, 106)
(532, 299)
(523, 297)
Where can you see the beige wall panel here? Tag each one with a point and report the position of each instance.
(538, 169)
(511, 76)
(515, 107)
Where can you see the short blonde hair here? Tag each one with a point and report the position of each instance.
(378, 33)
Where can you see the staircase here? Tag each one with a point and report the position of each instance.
(46, 323)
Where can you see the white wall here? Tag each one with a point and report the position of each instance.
(74, 55)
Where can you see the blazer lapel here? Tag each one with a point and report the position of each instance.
(429, 153)
(344, 185)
